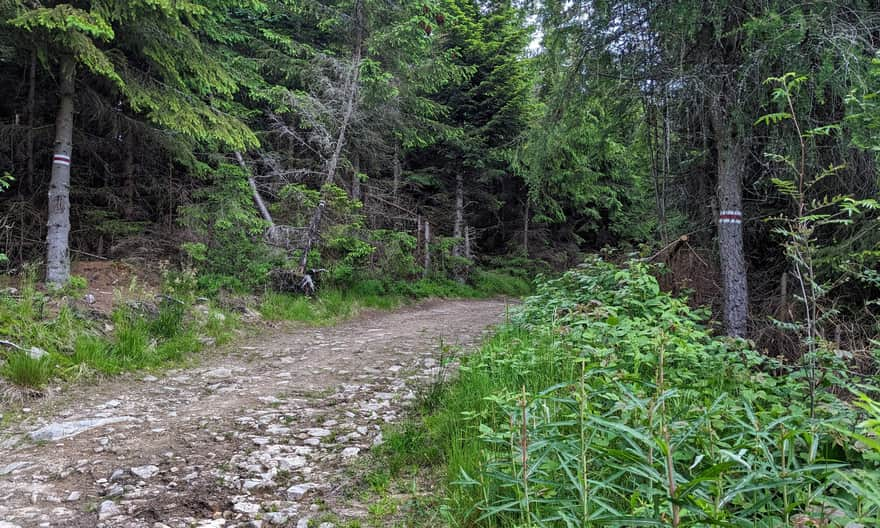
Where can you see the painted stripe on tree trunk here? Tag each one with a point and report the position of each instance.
(61, 159)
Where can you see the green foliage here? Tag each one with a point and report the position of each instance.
(144, 335)
(608, 402)
(865, 482)
(231, 253)
(812, 214)
(23, 370)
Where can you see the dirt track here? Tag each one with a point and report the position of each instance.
(258, 436)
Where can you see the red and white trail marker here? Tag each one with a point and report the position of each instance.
(61, 159)
(730, 217)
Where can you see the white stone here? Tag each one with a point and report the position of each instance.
(277, 518)
(74, 496)
(58, 430)
(289, 463)
(248, 508)
(107, 510)
(220, 372)
(319, 432)
(15, 466)
(145, 472)
(303, 523)
(37, 353)
(350, 452)
(298, 491)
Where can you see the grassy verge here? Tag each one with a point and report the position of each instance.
(57, 338)
(606, 402)
(335, 303)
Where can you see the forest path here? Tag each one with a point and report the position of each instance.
(264, 434)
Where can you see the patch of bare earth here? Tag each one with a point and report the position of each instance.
(263, 436)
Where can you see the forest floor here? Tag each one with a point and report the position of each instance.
(270, 431)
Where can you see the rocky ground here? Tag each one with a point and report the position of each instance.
(261, 435)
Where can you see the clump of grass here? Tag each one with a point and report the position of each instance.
(23, 370)
(132, 338)
(287, 307)
(95, 353)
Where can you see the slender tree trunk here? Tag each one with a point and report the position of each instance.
(526, 228)
(731, 167)
(261, 206)
(427, 242)
(352, 91)
(397, 171)
(459, 213)
(468, 254)
(312, 237)
(32, 110)
(57, 243)
(355, 178)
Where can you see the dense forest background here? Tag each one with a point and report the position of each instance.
(399, 140)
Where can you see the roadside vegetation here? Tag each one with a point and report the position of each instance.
(607, 402)
(55, 335)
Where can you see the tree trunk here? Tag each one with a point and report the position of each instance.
(32, 110)
(356, 178)
(352, 92)
(427, 242)
(397, 171)
(731, 167)
(261, 206)
(468, 254)
(459, 214)
(57, 243)
(311, 237)
(526, 228)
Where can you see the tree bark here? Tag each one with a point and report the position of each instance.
(352, 92)
(427, 242)
(731, 167)
(312, 237)
(459, 213)
(57, 238)
(261, 206)
(397, 171)
(355, 178)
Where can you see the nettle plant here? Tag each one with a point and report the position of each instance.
(810, 213)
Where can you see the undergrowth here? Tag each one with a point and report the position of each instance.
(56, 338)
(334, 303)
(606, 402)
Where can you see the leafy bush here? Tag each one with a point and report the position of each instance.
(608, 402)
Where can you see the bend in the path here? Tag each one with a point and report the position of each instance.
(260, 435)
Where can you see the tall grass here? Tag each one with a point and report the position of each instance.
(145, 336)
(23, 370)
(606, 402)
